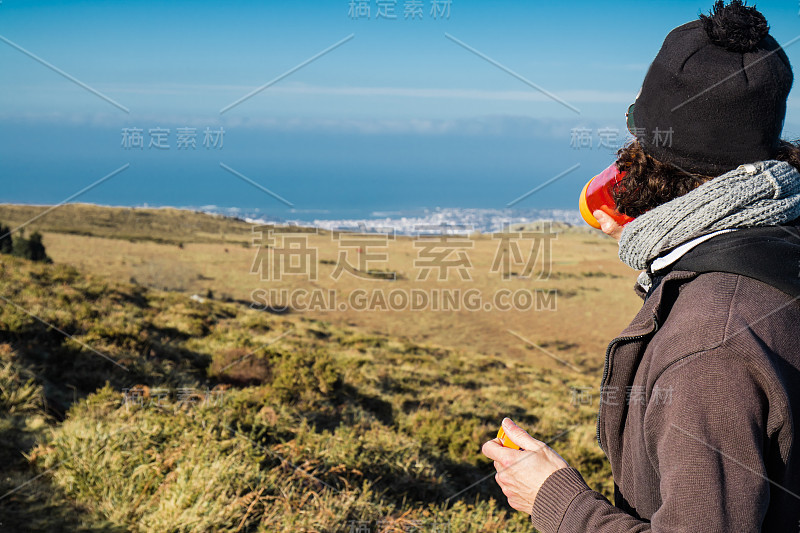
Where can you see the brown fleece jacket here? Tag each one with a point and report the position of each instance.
(705, 441)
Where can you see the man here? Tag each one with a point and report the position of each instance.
(718, 238)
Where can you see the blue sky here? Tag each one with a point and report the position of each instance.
(398, 104)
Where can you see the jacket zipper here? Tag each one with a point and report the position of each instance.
(611, 346)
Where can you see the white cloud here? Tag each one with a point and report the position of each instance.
(299, 89)
(485, 125)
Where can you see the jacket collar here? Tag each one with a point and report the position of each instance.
(655, 310)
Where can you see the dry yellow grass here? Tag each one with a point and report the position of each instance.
(328, 427)
(594, 298)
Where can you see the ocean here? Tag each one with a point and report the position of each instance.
(325, 178)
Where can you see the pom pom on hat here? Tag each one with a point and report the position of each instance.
(735, 27)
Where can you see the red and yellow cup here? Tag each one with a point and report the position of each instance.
(597, 195)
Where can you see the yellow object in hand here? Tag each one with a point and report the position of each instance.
(501, 434)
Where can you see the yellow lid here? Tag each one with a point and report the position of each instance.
(501, 434)
(584, 207)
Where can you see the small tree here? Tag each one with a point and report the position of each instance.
(6, 244)
(36, 248)
(32, 248)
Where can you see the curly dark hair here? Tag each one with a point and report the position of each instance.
(650, 182)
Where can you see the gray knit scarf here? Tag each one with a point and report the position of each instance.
(762, 194)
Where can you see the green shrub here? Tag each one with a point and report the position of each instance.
(32, 248)
(305, 375)
(17, 394)
(6, 243)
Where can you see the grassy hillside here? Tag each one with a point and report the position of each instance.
(170, 226)
(195, 253)
(127, 408)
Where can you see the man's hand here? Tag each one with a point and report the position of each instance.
(608, 225)
(521, 473)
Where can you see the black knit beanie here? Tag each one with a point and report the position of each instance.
(715, 95)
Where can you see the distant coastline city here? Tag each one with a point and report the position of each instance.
(455, 220)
